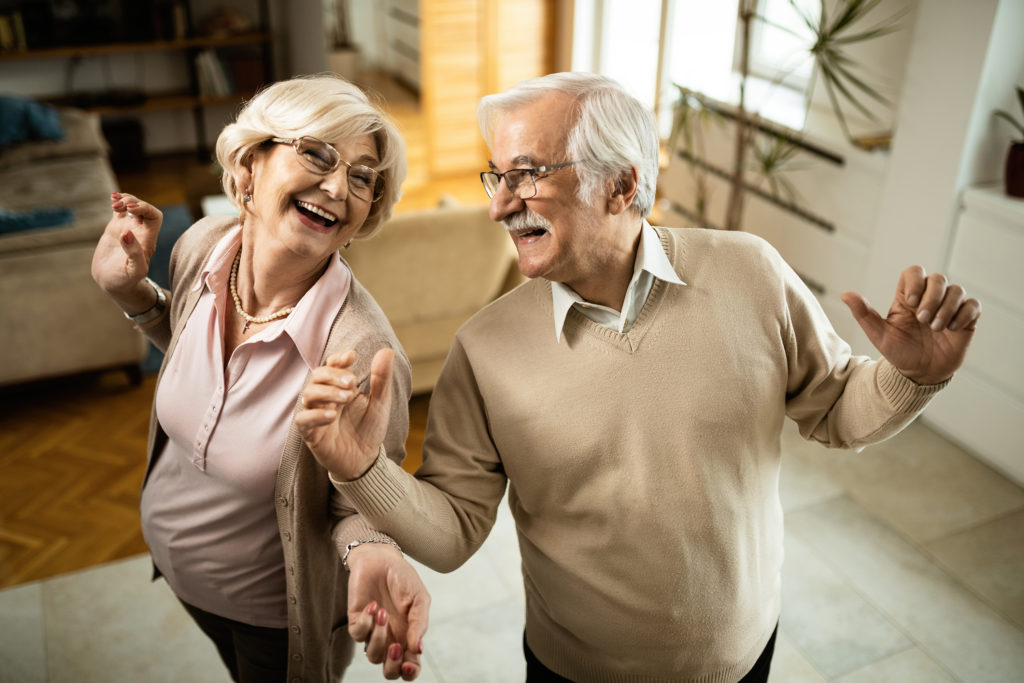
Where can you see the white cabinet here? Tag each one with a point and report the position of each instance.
(983, 408)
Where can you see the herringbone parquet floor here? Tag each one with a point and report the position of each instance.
(73, 454)
(72, 450)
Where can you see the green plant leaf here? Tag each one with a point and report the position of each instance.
(1013, 122)
(837, 70)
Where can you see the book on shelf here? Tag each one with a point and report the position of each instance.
(213, 77)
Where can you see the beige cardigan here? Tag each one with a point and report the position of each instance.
(315, 525)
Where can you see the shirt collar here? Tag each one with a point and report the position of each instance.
(309, 325)
(650, 257)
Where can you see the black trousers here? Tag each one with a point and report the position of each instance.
(252, 654)
(536, 672)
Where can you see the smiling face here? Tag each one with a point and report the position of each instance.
(307, 214)
(557, 236)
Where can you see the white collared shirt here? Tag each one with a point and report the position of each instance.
(651, 262)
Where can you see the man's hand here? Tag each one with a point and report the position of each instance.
(341, 425)
(928, 329)
(388, 608)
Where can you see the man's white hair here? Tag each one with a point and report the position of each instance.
(611, 131)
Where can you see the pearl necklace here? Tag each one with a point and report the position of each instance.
(250, 319)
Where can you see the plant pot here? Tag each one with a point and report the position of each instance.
(1015, 170)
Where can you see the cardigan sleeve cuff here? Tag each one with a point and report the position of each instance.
(379, 490)
(903, 393)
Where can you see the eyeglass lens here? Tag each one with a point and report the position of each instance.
(321, 157)
(519, 182)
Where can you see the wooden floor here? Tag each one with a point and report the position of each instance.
(72, 450)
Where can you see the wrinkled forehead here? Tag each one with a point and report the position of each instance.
(532, 134)
(362, 148)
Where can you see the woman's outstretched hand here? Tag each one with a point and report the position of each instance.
(122, 255)
(342, 426)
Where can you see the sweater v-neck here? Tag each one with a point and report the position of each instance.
(576, 323)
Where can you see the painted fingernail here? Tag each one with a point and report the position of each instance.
(419, 647)
(395, 652)
(382, 617)
(372, 607)
(408, 671)
(128, 238)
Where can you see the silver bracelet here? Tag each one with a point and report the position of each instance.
(154, 311)
(353, 544)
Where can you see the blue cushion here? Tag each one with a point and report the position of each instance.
(17, 221)
(23, 119)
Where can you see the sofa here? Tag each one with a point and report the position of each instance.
(430, 270)
(55, 195)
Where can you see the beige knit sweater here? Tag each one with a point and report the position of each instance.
(643, 467)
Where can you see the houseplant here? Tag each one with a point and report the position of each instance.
(833, 30)
(1014, 176)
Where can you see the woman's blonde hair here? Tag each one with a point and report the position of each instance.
(323, 106)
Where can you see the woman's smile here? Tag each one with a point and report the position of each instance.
(316, 216)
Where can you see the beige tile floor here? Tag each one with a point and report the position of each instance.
(904, 563)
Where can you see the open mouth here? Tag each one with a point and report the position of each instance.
(316, 214)
(530, 234)
(526, 232)
(527, 226)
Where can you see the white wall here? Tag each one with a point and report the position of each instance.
(937, 114)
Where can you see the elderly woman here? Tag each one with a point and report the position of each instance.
(240, 517)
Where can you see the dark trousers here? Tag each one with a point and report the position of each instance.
(252, 654)
(536, 672)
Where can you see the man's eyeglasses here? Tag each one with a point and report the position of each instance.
(521, 182)
(322, 158)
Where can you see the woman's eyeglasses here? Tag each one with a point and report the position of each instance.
(322, 158)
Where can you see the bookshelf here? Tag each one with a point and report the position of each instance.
(223, 68)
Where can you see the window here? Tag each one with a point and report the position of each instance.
(780, 41)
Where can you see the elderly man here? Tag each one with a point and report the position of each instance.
(632, 395)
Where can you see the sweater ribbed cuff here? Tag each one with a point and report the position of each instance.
(903, 393)
(379, 490)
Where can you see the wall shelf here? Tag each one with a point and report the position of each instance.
(184, 44)
(220, 68)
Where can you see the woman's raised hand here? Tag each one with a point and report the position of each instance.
(122, 255)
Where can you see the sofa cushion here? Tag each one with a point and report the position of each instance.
(434, 264)
(82, 135)
(23, 120)
(82, 184)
